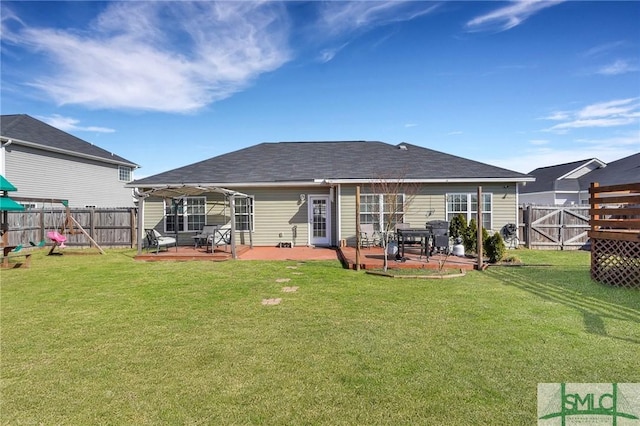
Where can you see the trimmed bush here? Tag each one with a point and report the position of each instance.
(494, 248)
(470, 237)
(458, 226)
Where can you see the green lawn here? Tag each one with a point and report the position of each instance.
(91, 339)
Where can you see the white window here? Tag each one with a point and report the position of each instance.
(467, 205)
(190, 213)
(244, 214)
(125, 174)
(384, 211)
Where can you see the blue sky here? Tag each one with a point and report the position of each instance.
(165, 84)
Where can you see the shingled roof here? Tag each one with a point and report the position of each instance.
(25, 130)
(547, 177)
(282, 162)
(554, 178)
(624, 170)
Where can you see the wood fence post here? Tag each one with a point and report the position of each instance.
(132, 222)
(92, 224)
(593, 204)
(527, 226)
(41, 223)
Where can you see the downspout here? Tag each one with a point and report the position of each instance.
(332, 206)
(339, 212)
(3, 167)
(517, 208)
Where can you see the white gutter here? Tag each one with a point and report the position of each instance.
(230, 184)
(439, 180)
(325, 182)
(73, 153)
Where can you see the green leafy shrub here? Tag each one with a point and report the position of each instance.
(494, 248)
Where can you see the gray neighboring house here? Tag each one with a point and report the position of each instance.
(304, 192)
(568, 184)
(45, 162)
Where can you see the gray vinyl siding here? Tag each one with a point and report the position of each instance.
(538, 198)
(429, 203)
(83, 182)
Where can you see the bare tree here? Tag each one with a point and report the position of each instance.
(386, 204)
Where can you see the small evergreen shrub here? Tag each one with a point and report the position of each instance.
(458, 226)
(470, 236)
(495, 248)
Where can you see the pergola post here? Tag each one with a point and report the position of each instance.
(140, 227)
(232, 207)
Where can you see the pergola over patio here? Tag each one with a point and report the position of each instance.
(188, 190)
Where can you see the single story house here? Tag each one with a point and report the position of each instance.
(45, 162)
(305, 192)
(568, 184)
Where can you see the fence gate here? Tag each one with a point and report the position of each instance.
(555, 227)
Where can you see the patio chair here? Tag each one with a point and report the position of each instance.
(156, 240)
(221, 237)
(203, 236)
(367, 235)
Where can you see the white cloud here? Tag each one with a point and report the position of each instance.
(508, 17)
(619, 107)
(619, 112)
(340, 20)
(328, 54)
(131, 58)
(604, 48)
(618, 67)
(69, 124)
(175, 56)
(539, 142)
(558, 116)
(409, 125)
(344, 17)
(630, 140)
(454, 133)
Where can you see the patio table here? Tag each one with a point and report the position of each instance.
(410, 235)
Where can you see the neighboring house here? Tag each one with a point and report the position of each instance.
(568, 184)
(45, 162)
(304, 192)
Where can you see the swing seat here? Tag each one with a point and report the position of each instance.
(57, 237)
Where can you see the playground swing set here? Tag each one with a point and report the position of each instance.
(68, 225)
(57, 235)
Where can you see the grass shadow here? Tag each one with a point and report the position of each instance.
(593, 302)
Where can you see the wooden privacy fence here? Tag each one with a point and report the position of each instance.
(554, 227)
(109, 227)
(615, 234)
